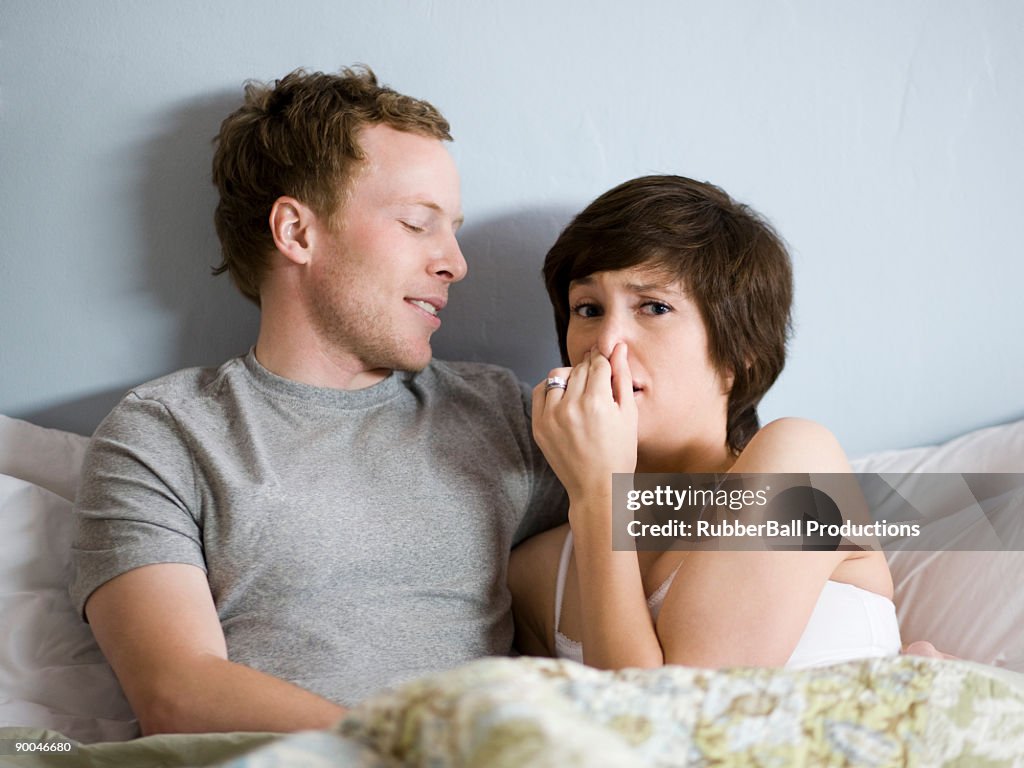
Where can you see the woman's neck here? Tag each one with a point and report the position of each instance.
(703, 459)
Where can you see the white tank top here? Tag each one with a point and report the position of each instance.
(847, 622)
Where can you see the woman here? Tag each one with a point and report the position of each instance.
(672, 304)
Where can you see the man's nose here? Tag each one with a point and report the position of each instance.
(450, 263)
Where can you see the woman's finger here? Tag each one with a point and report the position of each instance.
(549, 390)
(622, 377)
(578, 379)
(599, 381)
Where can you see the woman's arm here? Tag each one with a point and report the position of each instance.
(750, 608)
(741, 608)
(615, 621)
(532, 570)
(588, 433)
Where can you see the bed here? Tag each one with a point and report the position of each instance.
(58, 694)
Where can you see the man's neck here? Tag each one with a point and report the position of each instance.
(300, 355)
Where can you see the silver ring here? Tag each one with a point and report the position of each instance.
(555, 382)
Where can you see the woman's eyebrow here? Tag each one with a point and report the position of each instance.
(645, 287)
(668, 284)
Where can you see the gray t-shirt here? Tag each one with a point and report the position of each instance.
(352, 539)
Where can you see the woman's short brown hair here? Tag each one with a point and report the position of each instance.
(298, 137)
(730, 259)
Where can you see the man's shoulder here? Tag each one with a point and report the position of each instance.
(485, 379)
(186, 384)
(186, 395)
(473, 371)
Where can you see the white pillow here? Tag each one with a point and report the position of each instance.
(970, 604)
(994, 449)
(50, 458)
(52, 674)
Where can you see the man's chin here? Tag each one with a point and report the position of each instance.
(414, 362)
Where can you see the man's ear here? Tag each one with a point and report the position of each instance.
(292, 224)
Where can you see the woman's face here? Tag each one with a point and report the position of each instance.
(681, 397)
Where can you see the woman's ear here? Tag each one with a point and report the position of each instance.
(291, 224)
(728, 379)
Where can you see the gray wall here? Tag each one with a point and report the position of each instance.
(882, 138)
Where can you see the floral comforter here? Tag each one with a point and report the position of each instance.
(903, 711)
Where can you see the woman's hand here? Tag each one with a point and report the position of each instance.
(588, 431)
(926, 649)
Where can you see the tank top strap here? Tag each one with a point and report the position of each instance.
(563, 570)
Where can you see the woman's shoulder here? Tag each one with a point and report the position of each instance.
(796, 425)
(793, 444)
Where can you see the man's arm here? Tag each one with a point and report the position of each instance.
(158, 627)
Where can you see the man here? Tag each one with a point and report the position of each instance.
(260, 544)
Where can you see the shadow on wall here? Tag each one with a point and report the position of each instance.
(215, 322)
(500, 313)
(176, 201)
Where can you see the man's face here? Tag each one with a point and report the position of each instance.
(378, 280)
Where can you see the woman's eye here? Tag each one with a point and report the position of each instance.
(413, 227)
(657, 308)
(586, 310)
